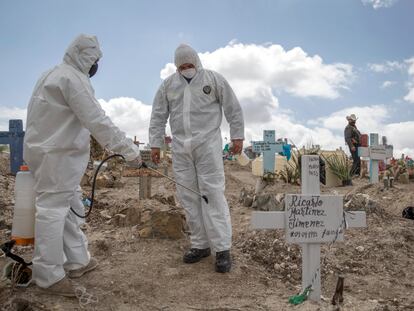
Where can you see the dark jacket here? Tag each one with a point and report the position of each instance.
(352, 136)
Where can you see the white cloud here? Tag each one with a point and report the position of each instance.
(401, 135)
(168, 70)
(387, 84)
(390, 66)
(130, 115)
(386, 67)
(272, 67)
(371, 118)
(378, 4)
(7, 113)
(258, 74)
(410, 96)
(133, 116)
(410, 63)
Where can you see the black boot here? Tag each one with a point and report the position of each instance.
(195, 255)
(223, 261)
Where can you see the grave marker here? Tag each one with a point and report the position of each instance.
(310, 219)
(375, 152)
(144, 187)
(14, 138)
(269, 147)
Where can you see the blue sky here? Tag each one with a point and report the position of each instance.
(138, 39)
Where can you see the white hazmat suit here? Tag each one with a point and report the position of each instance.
(195, 110)
(62, 114)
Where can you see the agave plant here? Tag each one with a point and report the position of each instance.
(269, 177)
(291, 172)
(339, 165)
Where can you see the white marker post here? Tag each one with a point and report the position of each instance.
(375, 152)
(310, 219)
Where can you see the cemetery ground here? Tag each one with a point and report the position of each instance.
(140, 244)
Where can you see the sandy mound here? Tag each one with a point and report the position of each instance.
(140, 244)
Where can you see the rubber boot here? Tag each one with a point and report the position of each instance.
(223, 261)
(195, 255)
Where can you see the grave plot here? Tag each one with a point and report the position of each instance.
(310, 219)
(138, 273)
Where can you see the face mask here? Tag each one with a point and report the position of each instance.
(188, 73)
(93, 70)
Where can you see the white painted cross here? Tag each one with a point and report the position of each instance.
(375, 152)
(310, 219)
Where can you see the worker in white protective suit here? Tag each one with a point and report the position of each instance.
(62, 114)
(193, 99)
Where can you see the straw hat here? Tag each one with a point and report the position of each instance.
(352, 117)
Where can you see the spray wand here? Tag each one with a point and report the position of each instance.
(144, 165)
(134, 165)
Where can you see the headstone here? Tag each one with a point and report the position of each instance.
(311, 219)
(14, 138)
(145, 155)
(268, 147)
(375, 152)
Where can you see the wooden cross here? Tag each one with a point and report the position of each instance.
(375, 152)
(144, 187)
(14, 138)
(268, 147)
(310, 219)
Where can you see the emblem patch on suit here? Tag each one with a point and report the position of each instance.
(207, 89)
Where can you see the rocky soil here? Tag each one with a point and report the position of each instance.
(139, 245)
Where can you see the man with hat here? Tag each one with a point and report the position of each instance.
(353, 139)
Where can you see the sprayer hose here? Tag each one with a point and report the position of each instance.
(94, 184)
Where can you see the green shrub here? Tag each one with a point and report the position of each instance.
(339, 165)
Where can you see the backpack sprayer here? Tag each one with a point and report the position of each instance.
(24, 217)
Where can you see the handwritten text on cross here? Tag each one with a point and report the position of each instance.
(313, 218)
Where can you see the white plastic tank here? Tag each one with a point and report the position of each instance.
(242, 158)
(24, 208)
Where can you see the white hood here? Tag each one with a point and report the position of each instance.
(82, 53)
(185, 54)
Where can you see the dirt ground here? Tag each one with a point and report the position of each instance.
(137, 273)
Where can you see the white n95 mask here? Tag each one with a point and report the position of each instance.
(188, 73)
